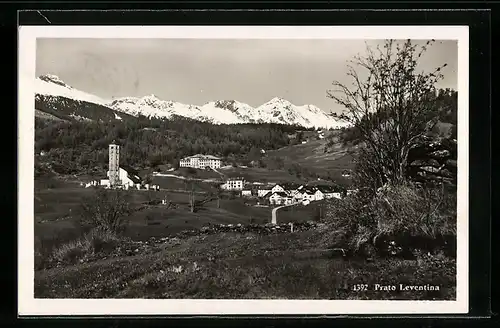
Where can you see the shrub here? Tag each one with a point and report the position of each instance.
(410, 215)
(71, 252)
(106, 210)
(102, 240)
(97, 241)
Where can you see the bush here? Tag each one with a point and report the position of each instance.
(102, 240)
(404, 216)
(97, 241)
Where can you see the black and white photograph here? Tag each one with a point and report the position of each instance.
(243, 170)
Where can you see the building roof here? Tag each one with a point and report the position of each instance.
(267, 194)
(236, 179)
(279, 193)
(202, 156)
(308, 189)
(133, 174)
(328, 188)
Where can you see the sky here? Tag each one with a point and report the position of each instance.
(196, 71)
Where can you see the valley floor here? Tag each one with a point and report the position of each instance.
(156, 260)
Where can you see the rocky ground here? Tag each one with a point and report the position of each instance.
(127, 247)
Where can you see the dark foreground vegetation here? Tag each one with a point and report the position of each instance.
(297, 265)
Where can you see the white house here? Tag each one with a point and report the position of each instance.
(318, 195)
(277, 188)
(200, 161)
(305, 192)
(234, 184)
(104, 182)
(308, 196)
(291, 188)
(330, 192)
(298, 195)
(246, 193)
(280, 198)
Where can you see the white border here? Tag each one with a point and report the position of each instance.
(28, 305)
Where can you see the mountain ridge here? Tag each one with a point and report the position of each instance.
(224, 111)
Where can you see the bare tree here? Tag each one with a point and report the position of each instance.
(390, 103)
(106, 209)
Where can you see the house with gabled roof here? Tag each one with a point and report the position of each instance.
(280, 198)
(277, 188)
(330, 191)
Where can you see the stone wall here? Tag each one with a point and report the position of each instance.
(434, 160)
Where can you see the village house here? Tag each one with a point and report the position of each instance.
(234, 184)
(277, 188)
(288, 188)
(246, 193)
(291, 188)
(280, 198)
(307, 193)
(263, 192)
(200, 161)
(330, 192)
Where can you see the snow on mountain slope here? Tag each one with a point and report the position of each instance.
(277, 110)
(51, 85)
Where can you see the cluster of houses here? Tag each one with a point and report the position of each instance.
(284, 193)
(287, 193)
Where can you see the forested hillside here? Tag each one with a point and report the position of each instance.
(74, 147)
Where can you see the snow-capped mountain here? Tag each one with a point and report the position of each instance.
(52, 85)
(277, 110)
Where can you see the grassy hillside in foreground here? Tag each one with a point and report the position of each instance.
(248, 266)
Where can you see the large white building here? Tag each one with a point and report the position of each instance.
(200, 161)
